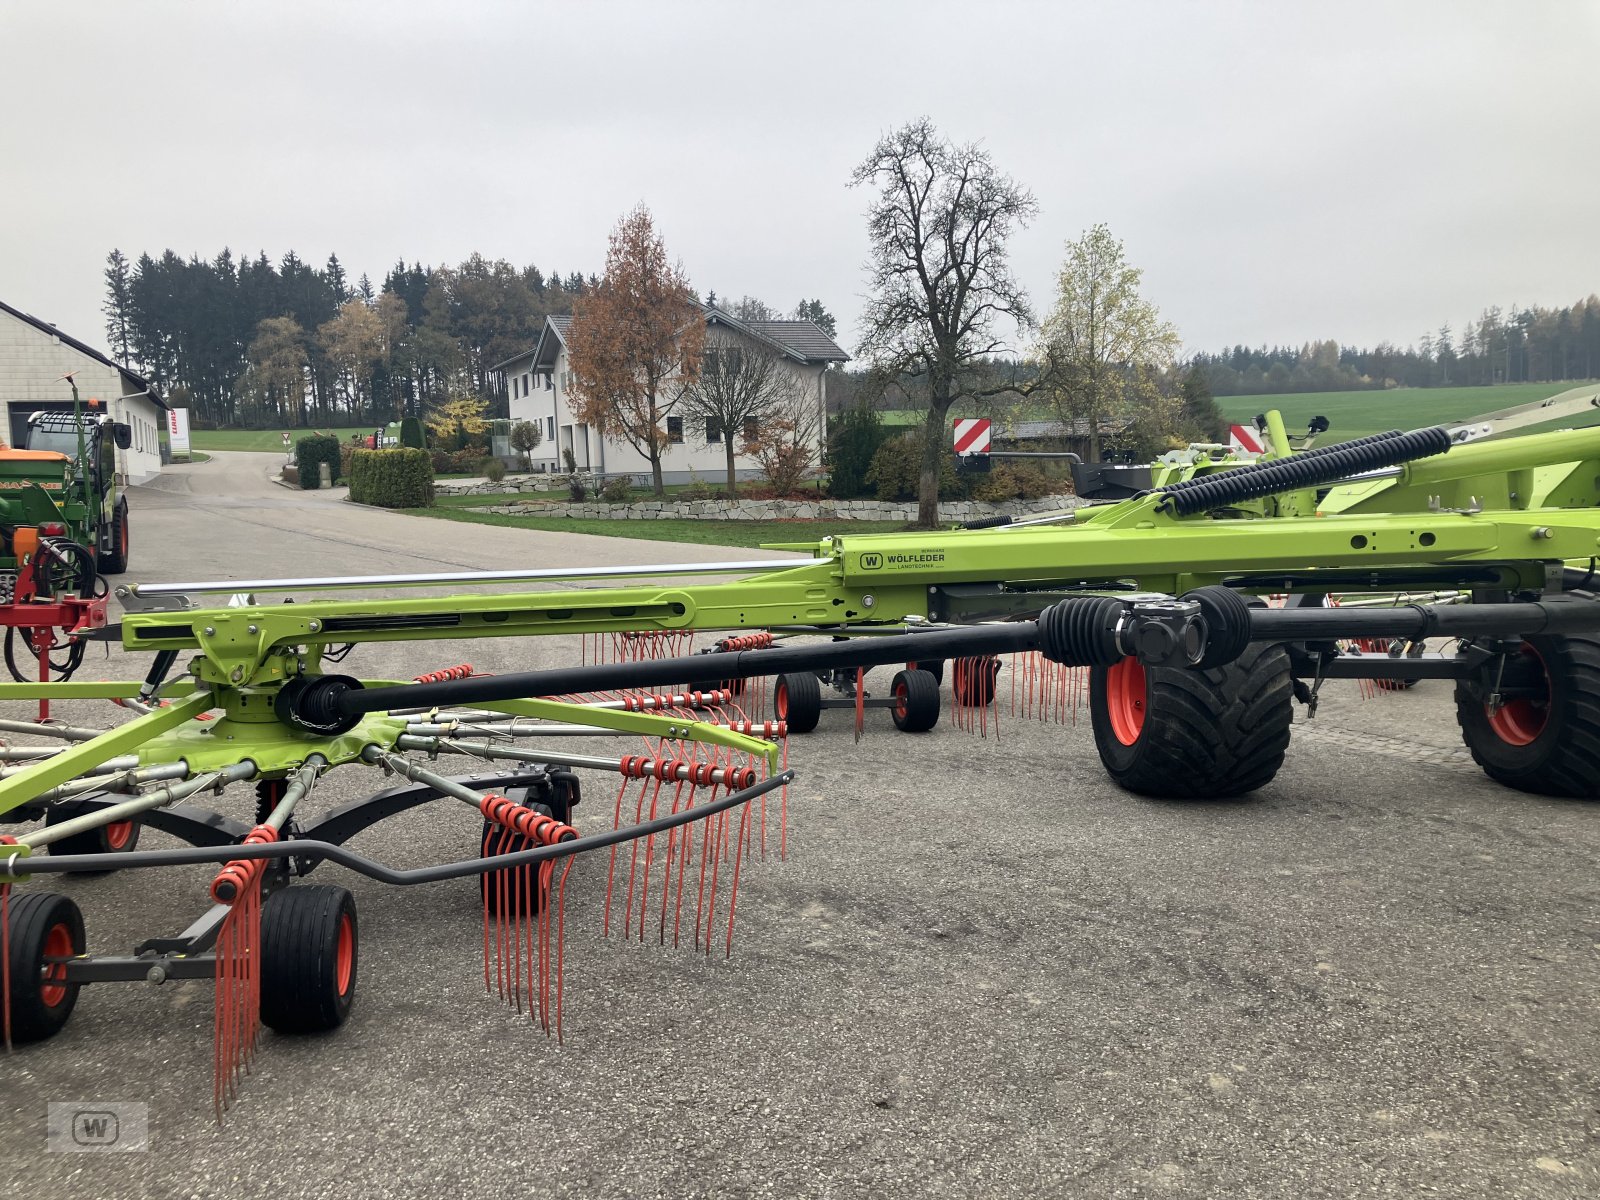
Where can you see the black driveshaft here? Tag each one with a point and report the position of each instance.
(732, 664)
(1417, 621)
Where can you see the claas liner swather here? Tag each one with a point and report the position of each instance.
(1152, 606)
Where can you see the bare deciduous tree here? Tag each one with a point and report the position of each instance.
(740, 383)
(939, 273)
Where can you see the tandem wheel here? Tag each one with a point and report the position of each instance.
(310, 948)
(44, 931)
(1187, 734)
(1544, 737)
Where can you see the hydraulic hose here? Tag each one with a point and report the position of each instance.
(1309, 469)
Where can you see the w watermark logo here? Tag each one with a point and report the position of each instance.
(90, 1126)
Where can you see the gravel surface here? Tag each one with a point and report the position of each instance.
(982, 970)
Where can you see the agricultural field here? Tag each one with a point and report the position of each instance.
(1355, 414)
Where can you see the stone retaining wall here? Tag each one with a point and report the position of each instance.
(511, 483)
(781, 510)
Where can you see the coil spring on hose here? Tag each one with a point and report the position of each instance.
(1308, 469)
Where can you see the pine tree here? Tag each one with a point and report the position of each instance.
(118, 306)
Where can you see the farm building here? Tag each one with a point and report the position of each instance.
(539, 383)
(34, 355)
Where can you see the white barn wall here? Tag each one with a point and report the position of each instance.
(32, 363)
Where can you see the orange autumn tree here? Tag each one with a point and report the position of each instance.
(635, 342)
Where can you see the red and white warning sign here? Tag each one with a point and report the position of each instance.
(972, 435)
(1244, 441)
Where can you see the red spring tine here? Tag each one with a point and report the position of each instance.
(561, 924)
(488, 837)
(616, 823)
(733, 885)
(667, 864)
(633, 867)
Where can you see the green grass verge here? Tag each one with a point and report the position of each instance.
(1355, 414)
(261, 440)
(700, 533)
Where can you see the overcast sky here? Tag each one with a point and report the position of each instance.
(1281, 171)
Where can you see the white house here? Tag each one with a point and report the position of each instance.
(539, 383)
(34, 355)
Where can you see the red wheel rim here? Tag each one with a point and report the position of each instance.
(1125, 693)
(901, 705)
(1519, 722)
(344, 958)
(780, 701)
(57, 944)
(118, 835)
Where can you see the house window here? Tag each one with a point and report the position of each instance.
(549, 381)
(674, 430)
(752, 428)
(524, 383)
(713, 431)
(550, 428)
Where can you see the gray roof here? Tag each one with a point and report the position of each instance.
(804, 341)
(803, 338)
(82, 348)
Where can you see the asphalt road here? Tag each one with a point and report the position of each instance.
(983, 971)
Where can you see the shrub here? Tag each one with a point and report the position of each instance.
(313, 450)
(577, 489)
(525, 438)
(696, 488)
(853, 441)
(494, 470)
(346, 453)
(411, 433)
(897, 468)
(618, 490)
(786, 459)
(400, 478)
(1012, 481)
(455, 462)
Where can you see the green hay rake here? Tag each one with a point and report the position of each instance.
(1151, 607)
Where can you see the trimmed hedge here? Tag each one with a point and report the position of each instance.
(313, 450)
(399, 478)
(411, 433)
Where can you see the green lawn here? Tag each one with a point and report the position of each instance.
(260, 439)
(1355, 414)
(703, 533)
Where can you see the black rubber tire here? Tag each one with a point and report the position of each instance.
(933, 666)
(115, 560)
(916, 701)
(1206, 734)
(38, 1009)
(303, 988)
(1564, 758)
(972, 683)
(797, 699)
(95, 841)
